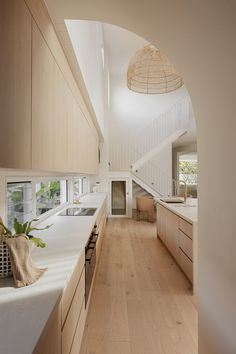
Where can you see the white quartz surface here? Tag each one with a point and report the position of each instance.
(25, 311)
(188, 211)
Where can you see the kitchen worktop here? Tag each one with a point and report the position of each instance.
(188, 211)
(25, 311)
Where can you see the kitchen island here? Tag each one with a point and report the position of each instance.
(177, 228)
(38, 316)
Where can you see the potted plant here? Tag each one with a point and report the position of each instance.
(19, 229)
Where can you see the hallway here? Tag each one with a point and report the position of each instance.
(141, 302)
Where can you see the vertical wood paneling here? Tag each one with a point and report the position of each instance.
(49, 109)
(15, 88)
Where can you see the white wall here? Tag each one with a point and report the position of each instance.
(199, 38)
(87, 41)
(102, 177)
(131, 112)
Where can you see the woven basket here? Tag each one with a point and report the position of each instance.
(5, 263)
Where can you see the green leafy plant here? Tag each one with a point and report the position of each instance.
(26, 229)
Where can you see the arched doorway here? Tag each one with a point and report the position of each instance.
(199, 38)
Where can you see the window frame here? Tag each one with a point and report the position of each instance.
(72, 187)
(179, 154)
(69, 192)
(33, 181)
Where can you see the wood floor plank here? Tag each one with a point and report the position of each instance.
(141, 302)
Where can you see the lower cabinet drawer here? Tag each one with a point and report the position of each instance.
(186, 244)
(71, 287)
(186, 264)
(50, 340)
(79, 331)
(186, 227)
(73, 317)
(100, 237)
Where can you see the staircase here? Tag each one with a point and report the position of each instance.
(137, 157)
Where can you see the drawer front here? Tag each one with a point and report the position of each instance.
(71, 287)
(73, 316)
(50, 340)
(186, 244)
(186, 227)
(100, 238)
(186, 265)
(102, 213)
(79, 332)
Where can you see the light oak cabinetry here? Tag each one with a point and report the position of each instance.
(186, 247)
(172, 233)
(83, 144)
(15, 85)
(73, 316)
(45, 121)
(50, 340)
(64, 330)
(49, 109)
(177, 235)
(161, 223)
(101, 226)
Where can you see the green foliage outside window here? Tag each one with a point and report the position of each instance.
(48, 196)
(188, 171)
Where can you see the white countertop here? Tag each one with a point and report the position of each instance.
(25, 311)
(188, 211)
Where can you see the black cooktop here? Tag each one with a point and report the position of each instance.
(78, 212)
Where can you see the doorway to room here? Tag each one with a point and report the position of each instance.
(118, 195)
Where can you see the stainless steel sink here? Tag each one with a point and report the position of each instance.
(78, 212)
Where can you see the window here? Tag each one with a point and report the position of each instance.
(19, 202)
(32, 198)
(80, 187)
(49, 195)
(85, 185)
(188, 168)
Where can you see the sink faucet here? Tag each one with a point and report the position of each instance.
(185, 189)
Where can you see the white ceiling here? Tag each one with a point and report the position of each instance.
(120, 46)
(131, 109)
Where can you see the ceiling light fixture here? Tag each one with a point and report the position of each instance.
(151, 72)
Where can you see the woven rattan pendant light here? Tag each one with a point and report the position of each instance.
(151, 72)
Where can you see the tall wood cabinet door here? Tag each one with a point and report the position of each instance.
(50, 340)
(49, 109)
(15, 87)
(83, 143)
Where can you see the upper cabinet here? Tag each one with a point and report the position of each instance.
(83, 147)
(45, 122)
(15, 85)
(49, 109)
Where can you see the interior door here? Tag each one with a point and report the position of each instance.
(119, 197)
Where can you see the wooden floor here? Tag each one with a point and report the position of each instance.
(141, 302)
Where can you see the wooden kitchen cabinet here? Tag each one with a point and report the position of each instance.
(15, 88)
(177, 235)
(70, 290)
(45, 122)
(172, 234)
(161, 222)
(83, 141)
(101, 227)
(73, 316)
(50, 340)
(49, 116)
(64, 330)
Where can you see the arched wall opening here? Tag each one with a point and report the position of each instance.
(199, 38)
